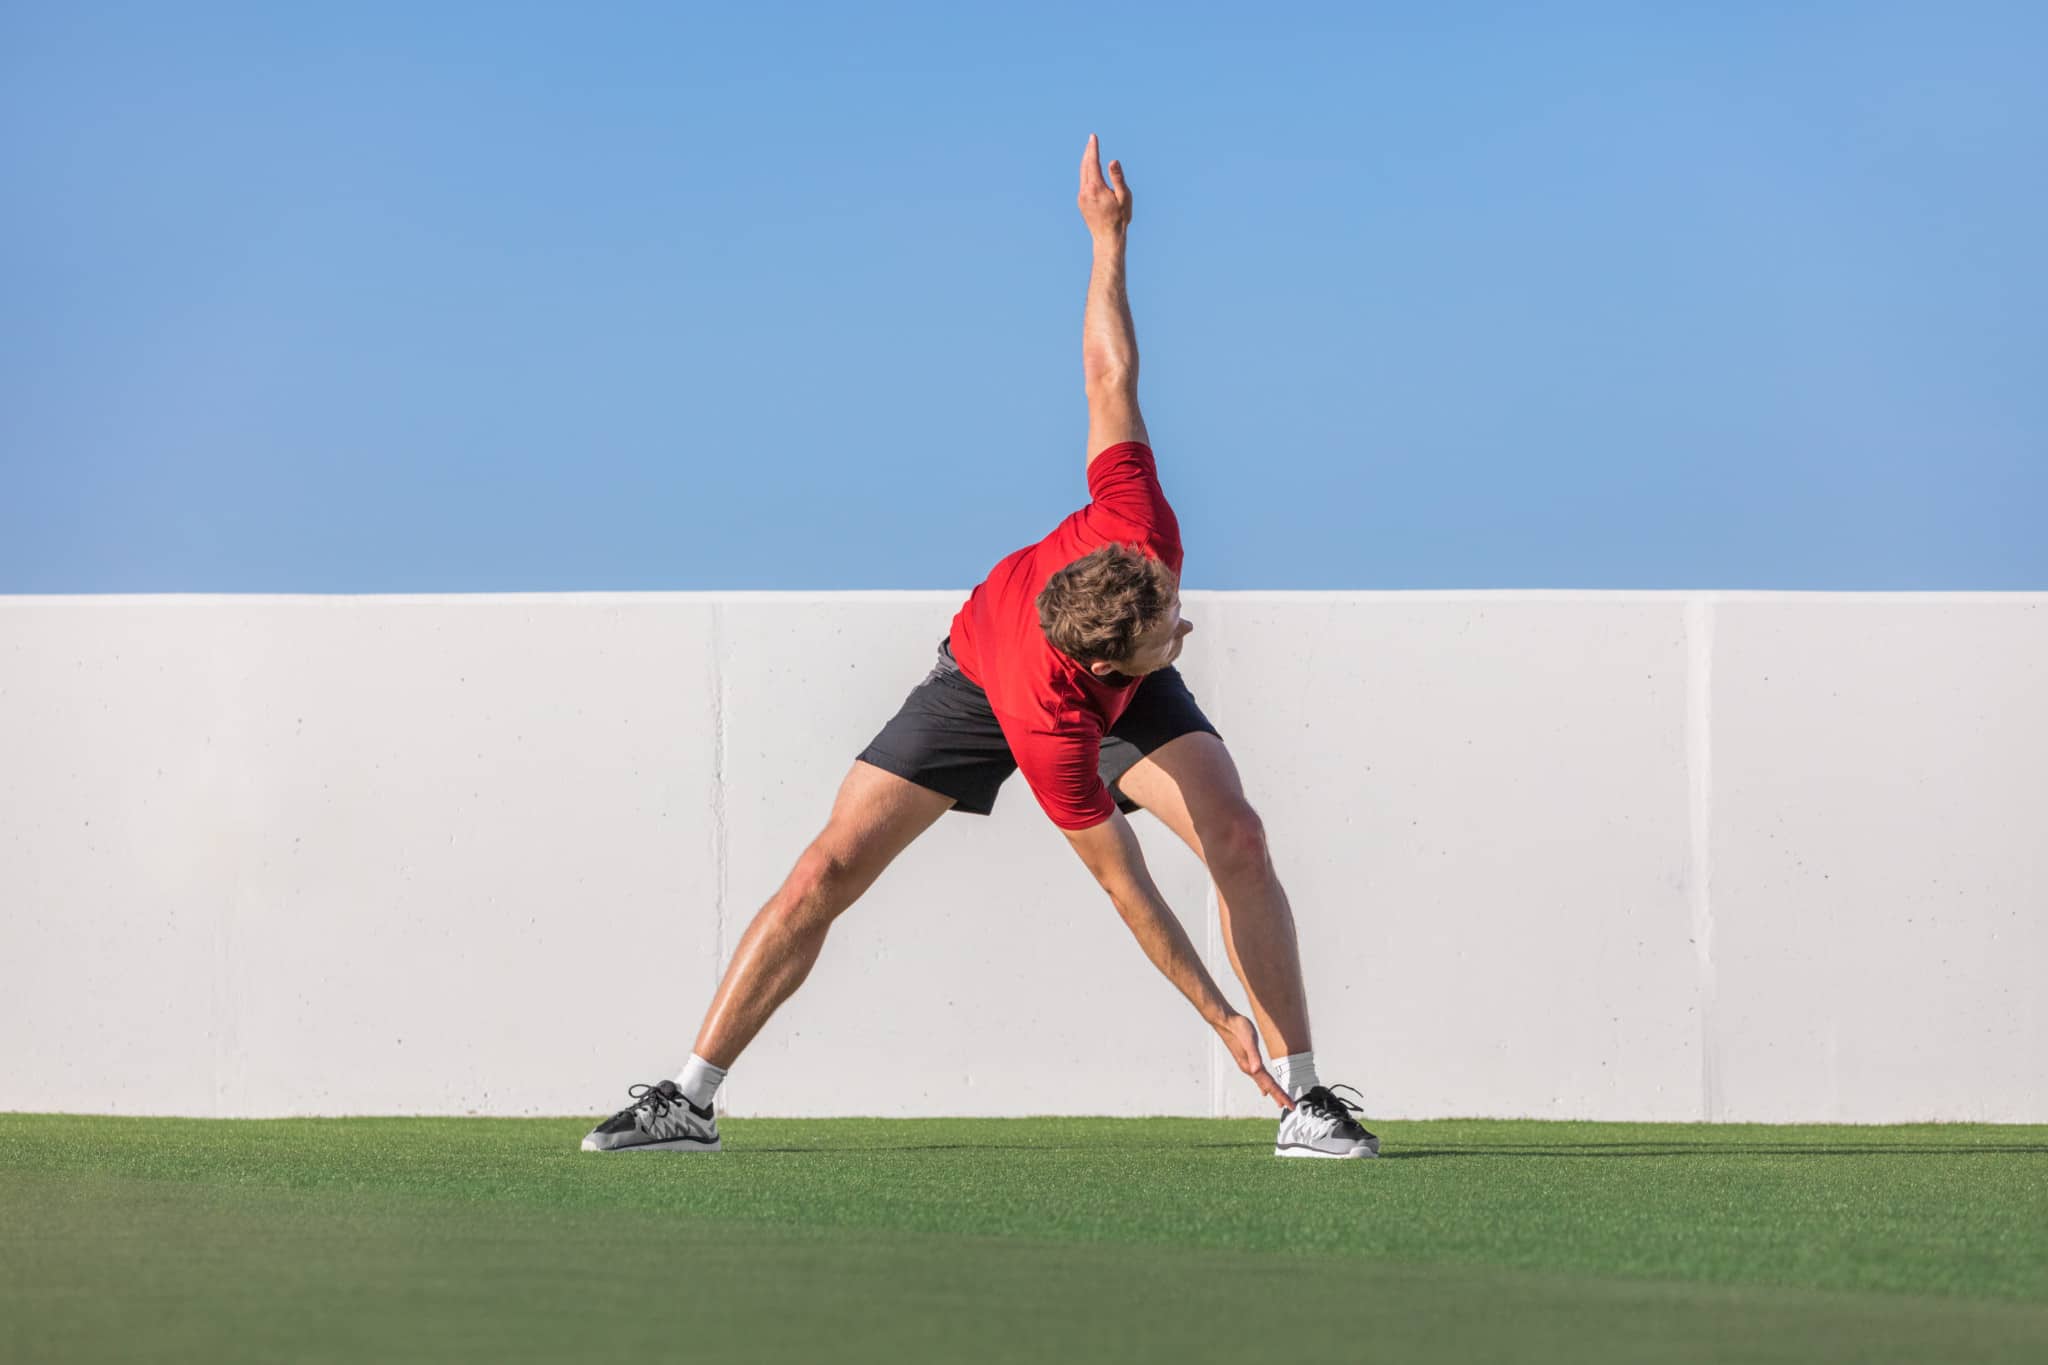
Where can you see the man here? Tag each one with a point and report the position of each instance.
(1060, 663)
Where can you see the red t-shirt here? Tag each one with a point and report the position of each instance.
(1053, 711)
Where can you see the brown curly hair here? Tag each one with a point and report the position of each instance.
(1097, 607)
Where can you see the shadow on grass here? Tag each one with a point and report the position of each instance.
(1666, 1149)
(1575, 1150)
(886, 1148)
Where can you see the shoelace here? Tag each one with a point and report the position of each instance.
(650, 1098)
(659, 1120)
(651, 1094)
(1325, 1102)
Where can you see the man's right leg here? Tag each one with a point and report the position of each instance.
(875, 817)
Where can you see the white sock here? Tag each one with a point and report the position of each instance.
(1296, 1074)
(699, 1081)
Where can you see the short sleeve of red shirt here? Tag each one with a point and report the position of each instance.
(1126, 502)
(1060, 766)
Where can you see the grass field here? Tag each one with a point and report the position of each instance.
(1067, 1240)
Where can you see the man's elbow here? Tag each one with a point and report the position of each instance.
(1096, 844)
(1108, 377)
(1109, 851)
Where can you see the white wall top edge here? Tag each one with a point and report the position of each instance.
(960, 595)
(1603, 595)
(426, 598)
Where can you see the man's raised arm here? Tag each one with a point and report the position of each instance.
(1109, 343)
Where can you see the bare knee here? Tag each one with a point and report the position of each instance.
(822, 884)
(1235, 842)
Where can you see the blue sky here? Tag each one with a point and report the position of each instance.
(453, 298)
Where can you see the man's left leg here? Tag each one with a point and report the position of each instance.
(1191, 783)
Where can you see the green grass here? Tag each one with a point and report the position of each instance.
(1070, 1240)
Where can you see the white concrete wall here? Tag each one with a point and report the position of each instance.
(1592, 855)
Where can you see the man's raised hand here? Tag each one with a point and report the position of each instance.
(1105, 204)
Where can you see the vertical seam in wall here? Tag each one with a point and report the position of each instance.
(223, 996)
(719, 830)
(230, 752)
(1699, 766)
(1212, 917)
(1212, 908)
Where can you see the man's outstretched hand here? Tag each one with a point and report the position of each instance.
(1105, 204)
(1243, 1041)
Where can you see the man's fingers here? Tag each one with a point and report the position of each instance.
(1116, 176)
(1091, 166)
(1273, 1090)
(1256, 1069)
(1243, 1041)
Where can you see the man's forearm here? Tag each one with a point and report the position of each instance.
(1112, 856)
(1159, 933)
(1109, 342)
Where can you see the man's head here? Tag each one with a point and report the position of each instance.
(1116, 610)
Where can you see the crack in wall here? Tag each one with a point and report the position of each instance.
(1699, 768)
(1212, 909)
(720, 833)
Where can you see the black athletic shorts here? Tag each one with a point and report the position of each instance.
(945, 736)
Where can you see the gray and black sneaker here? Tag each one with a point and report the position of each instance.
(1320, 1124)
(660, 1119)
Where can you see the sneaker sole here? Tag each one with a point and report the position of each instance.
(1353, 1155)
(672, 1145)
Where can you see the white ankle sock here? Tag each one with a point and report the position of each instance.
(699, 1081)
(1296, 1074)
